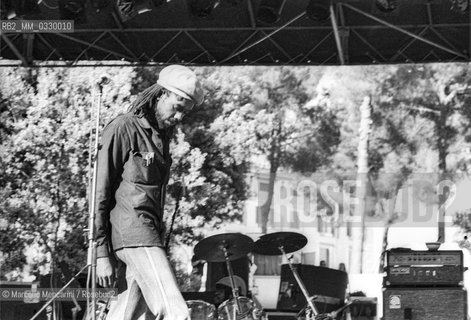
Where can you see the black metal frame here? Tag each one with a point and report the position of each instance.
(360, 38)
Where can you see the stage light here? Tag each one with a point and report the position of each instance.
(11, 13)
(73, 10)
(386, 5)
(202, 8)
(460, 6)
(130, 8)
(19, 9)
(269, 11)
(318, 10)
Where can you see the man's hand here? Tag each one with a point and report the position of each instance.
(104, 272)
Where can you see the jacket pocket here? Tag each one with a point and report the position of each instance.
(143, 168)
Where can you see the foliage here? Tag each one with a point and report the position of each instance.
(208, 164)
(418, 118)
(463, 219)
(265, 118)
(301, 119)
(433, 101)
(46, 151)
(425, 110)
(45, 157)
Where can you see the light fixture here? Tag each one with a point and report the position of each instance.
(19, 8)
(11, 13)
(386, 5)
(127, 8)
(73, 10)
(269, 11)
(460, 6)
(130, 8)
(202, 8)
(318, 10)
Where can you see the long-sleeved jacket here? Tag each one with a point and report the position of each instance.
(133, 170)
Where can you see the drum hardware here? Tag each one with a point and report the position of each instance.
(235, 289)
(322, 316)
(224, 248)
(248, 310)
(201, 310)
(334, 314)
(236, 245)
(283, 243)
(305, 310)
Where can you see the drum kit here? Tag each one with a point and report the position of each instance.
(231, 246)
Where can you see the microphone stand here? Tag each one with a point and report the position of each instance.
(180, 192)
(57, 294)
(91, 256)
(92, 245)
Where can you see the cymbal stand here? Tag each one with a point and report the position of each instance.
(235, 290)
(300, 282)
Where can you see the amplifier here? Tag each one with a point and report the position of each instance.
(424, 303)
(424, 258)
(424, 276)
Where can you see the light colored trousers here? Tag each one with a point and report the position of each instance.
(150, 290)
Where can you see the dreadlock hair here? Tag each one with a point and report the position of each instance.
(143, 106)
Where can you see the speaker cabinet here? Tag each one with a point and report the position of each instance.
(329, 285)
(432, 303)
(363, 308)
(18, 309)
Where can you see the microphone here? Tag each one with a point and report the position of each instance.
(102, 81)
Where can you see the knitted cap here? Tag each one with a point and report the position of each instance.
(182, 81)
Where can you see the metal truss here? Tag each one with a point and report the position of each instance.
(343, 41)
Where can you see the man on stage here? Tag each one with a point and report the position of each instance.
(133, 171)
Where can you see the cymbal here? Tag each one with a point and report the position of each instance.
(212, 248)
(269, 244)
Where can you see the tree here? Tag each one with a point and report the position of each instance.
(271, 120)
(434, 95)
(46, 153)
(351, 94)
(207, 163)
(362, 178)
(45, 158)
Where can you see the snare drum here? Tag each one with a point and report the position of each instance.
(227, 310)
(201, 310)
